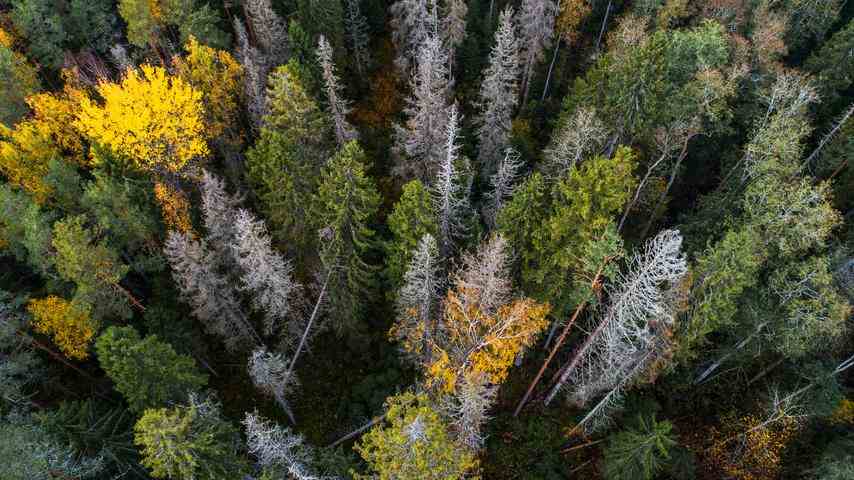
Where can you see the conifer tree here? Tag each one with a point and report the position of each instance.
(338, 106)
(18, 80)
(412, 22)
(503, 183)
(639, 453)
(29, 452)
(146, 371)
(535, 20)
(269, 30)
(256, 69)
(499, 94)
(189, 442)
(451, 190)
(411, 219)
(278, 450)
(420, 142)
(582, 136)
(453, 27)
(343, 207)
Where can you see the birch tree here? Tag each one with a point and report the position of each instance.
(419, 142)
(635, 327)
(356, 35)
(499, 94)
(338, 106)
(536, 20)
(451, 191)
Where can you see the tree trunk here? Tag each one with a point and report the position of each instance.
(639, 189)
(358, 431)
(308, 326)
(549, 75)
(663, 194)
(595, 285)
(604, 22)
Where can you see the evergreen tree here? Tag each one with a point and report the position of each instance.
(279, 451)
(271, 373)
(411, 219)
(43, 26)
(357, 36)
(146, 371)
(18, 80)
(28, 452)
(412, 22)
(269, 30)
(641, 452)
(343, 207)
(338, 106)
(189, 442)
(451, 190)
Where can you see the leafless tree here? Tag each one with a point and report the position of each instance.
(581, 136)
(270, 374)
(339, 107)
(503, 184)
(450, 191)
(278, 447)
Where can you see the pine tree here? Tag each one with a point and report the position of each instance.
(338, 106)
(146, 371)
(451, 190)
(345, 202)
(411, 219)
(29, 452)
(639, 453)
(419, 144)
(256, 69)
(43, 26)
(536, 19)
(189, 442)
(499, 94)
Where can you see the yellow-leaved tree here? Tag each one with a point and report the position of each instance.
(25, 154)
(56, 114)
(483, 328)
(155, 120)
(68, 323)
(219, 77)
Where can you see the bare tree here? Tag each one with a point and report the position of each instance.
(219, 212)
(270, 374)
(468, 409)
(503, 183)
(412, 22)
(450, 192)
(255, 69)
(418, 297)
(485, 275)
(211, 294)
(536, 22)
(264, 271)
(499, 94)
(635, 323)
(419, 144)
(581, 136)
(339, 107)
(356, 27)
(278, 447)
(269, 29)
(453, 28)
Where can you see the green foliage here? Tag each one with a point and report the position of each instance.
(191, 442)
(146, 371)
(413, 443)
(552, 229)
(832, 64)
(91, 24)
(639, 453)
(345, 204)
(412, 218)
(41, 23)
(147, 18)
(284, 164)
(84, 257)
(837, 460)
(17, 81)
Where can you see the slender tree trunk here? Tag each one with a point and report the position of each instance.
(638, 191)
(358, 431)
(595, 285)
(827, 138)
(663, 194)
(56, 356)
(308, 325)
(604, 22)
(551, 69)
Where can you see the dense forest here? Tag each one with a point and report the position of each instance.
(426, 239)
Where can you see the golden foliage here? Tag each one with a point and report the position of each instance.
(56, 114)
(154, 119)
(572, 13)
(476, 342)
(25, 153)
(844, 413)
(174, 207)
(6, 39)
(69, 324)
(219, 77)
(744, 449)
